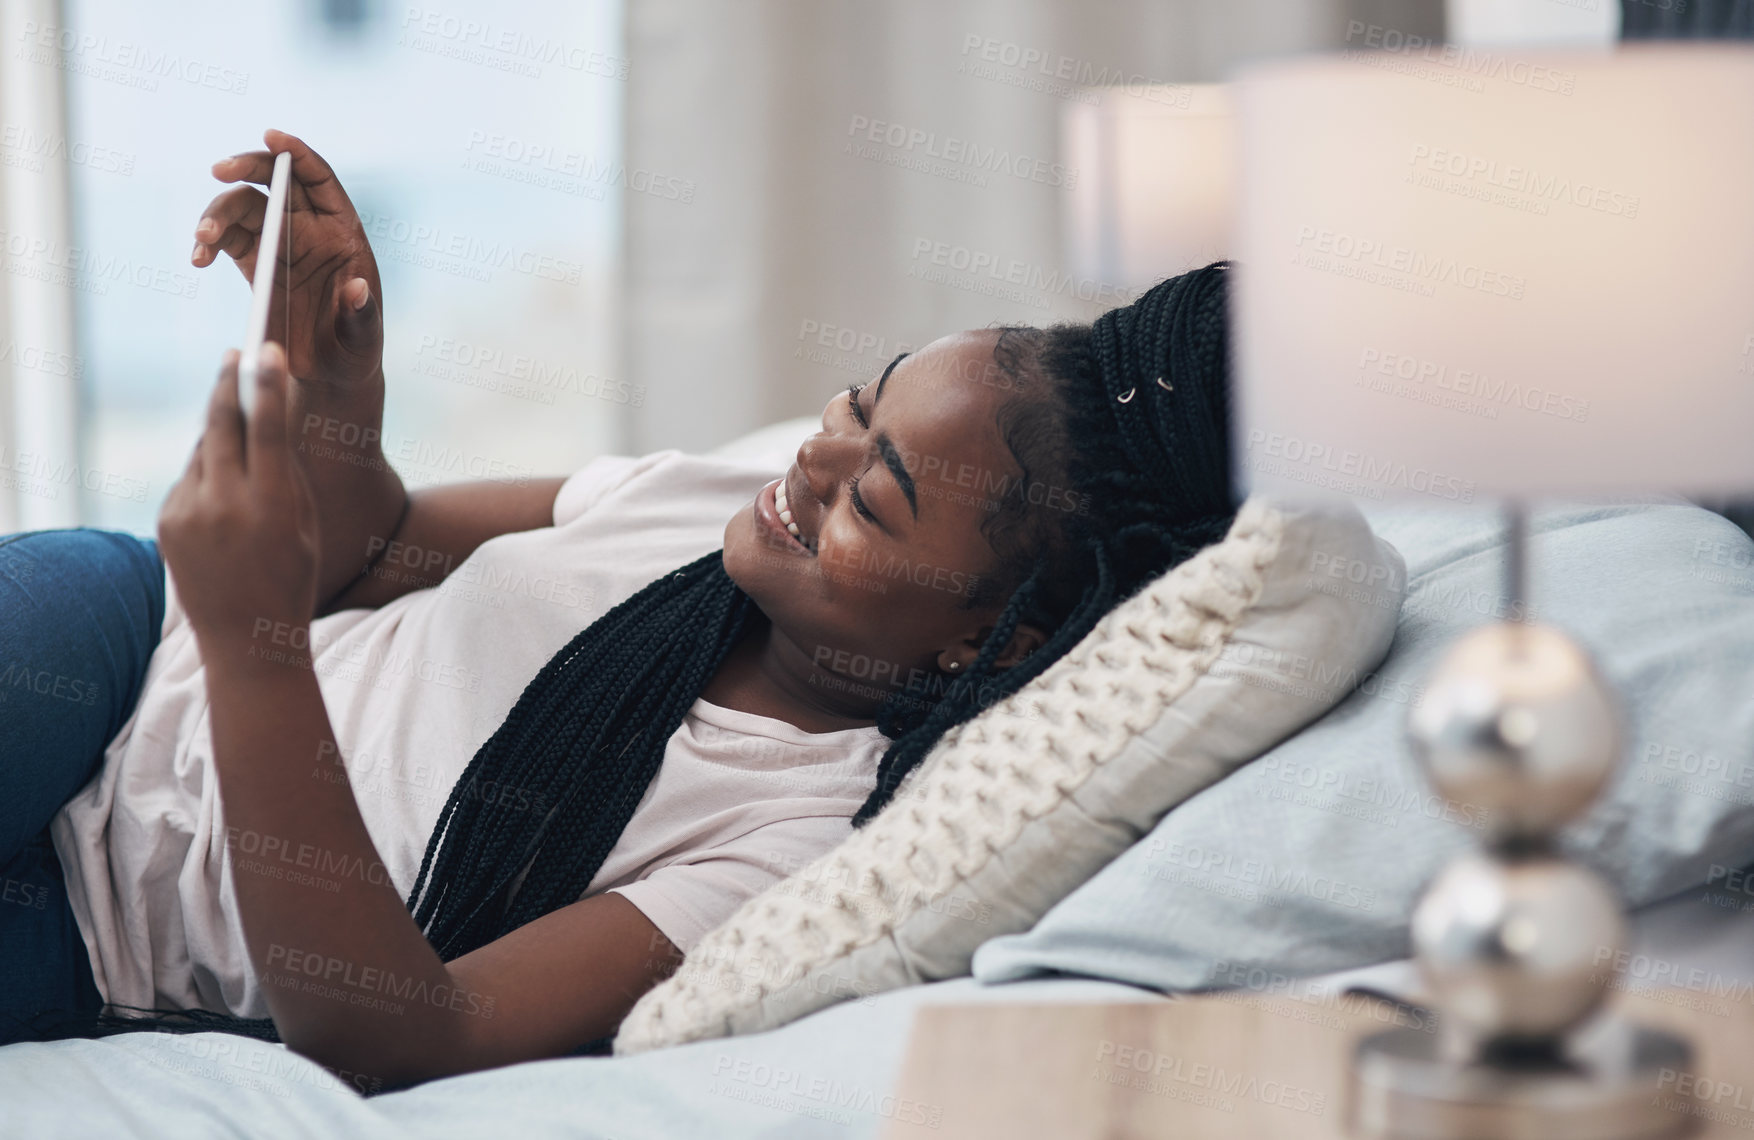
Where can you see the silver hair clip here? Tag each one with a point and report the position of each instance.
(1165, 387)
(1128, 398)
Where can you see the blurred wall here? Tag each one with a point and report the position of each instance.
(828, 182)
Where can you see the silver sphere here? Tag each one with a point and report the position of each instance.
(1517, 721)
(1516, 951)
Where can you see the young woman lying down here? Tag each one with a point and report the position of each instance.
(445, 780)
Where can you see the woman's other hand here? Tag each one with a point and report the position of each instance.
(239, 529)
(336, 331)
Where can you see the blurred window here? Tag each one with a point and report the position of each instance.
(479, 141)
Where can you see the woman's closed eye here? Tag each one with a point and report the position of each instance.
(858, 500)
(853, 495)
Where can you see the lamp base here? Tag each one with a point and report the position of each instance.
(1608, 1086)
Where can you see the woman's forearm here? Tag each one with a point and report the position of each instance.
(337, 436)
(443, 526)
(350, 979)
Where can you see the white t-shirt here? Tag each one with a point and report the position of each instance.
(412, 690)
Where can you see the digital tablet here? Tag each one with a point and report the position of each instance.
(262, 286)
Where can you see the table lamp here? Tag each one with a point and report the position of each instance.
(1471, 277)
(1158, 186)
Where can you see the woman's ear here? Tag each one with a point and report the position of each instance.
(1025, 641)
(958, 657)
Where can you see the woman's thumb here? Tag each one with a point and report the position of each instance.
(358, 319)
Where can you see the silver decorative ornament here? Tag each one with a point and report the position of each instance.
(1518, 721)
(1514, 950)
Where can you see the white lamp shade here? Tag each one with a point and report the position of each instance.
(1497, 276)
(1157, 186)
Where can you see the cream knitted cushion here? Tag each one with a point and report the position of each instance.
(1204, 669)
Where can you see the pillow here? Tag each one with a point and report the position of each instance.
(1310, 859)
(1012, 810)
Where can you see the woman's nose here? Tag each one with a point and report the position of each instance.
(816, 462)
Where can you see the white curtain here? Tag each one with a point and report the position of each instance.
(816, 184)
(39, 361)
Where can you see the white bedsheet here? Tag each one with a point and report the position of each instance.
(830, 1075)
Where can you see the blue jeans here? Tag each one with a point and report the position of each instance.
(80, 613)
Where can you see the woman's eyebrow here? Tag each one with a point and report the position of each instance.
(892, 460)
(878, 394)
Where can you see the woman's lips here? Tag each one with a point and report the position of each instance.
(767, 514)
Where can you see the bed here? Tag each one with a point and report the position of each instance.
(1662, 591)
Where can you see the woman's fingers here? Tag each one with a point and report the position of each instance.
(309, 171)
(222, 444)
(267, 427)
(234, 212)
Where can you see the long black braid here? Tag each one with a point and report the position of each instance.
(1131, 411)
(586, 736)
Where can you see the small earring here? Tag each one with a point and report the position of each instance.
(953, 666)
(1128, 398)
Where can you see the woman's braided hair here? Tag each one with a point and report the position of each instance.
(1139, 427)
(1141, 402)
(1130, 411)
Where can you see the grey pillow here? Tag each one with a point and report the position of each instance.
(1310, 858)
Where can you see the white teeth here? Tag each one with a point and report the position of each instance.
(779, 500)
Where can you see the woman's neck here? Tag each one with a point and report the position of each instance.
(765, 674)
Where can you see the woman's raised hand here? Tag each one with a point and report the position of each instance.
(239, 529)
(335, 331)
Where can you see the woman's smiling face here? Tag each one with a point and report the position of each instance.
(887, 501)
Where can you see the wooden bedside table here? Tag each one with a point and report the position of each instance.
(1240, 1065)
